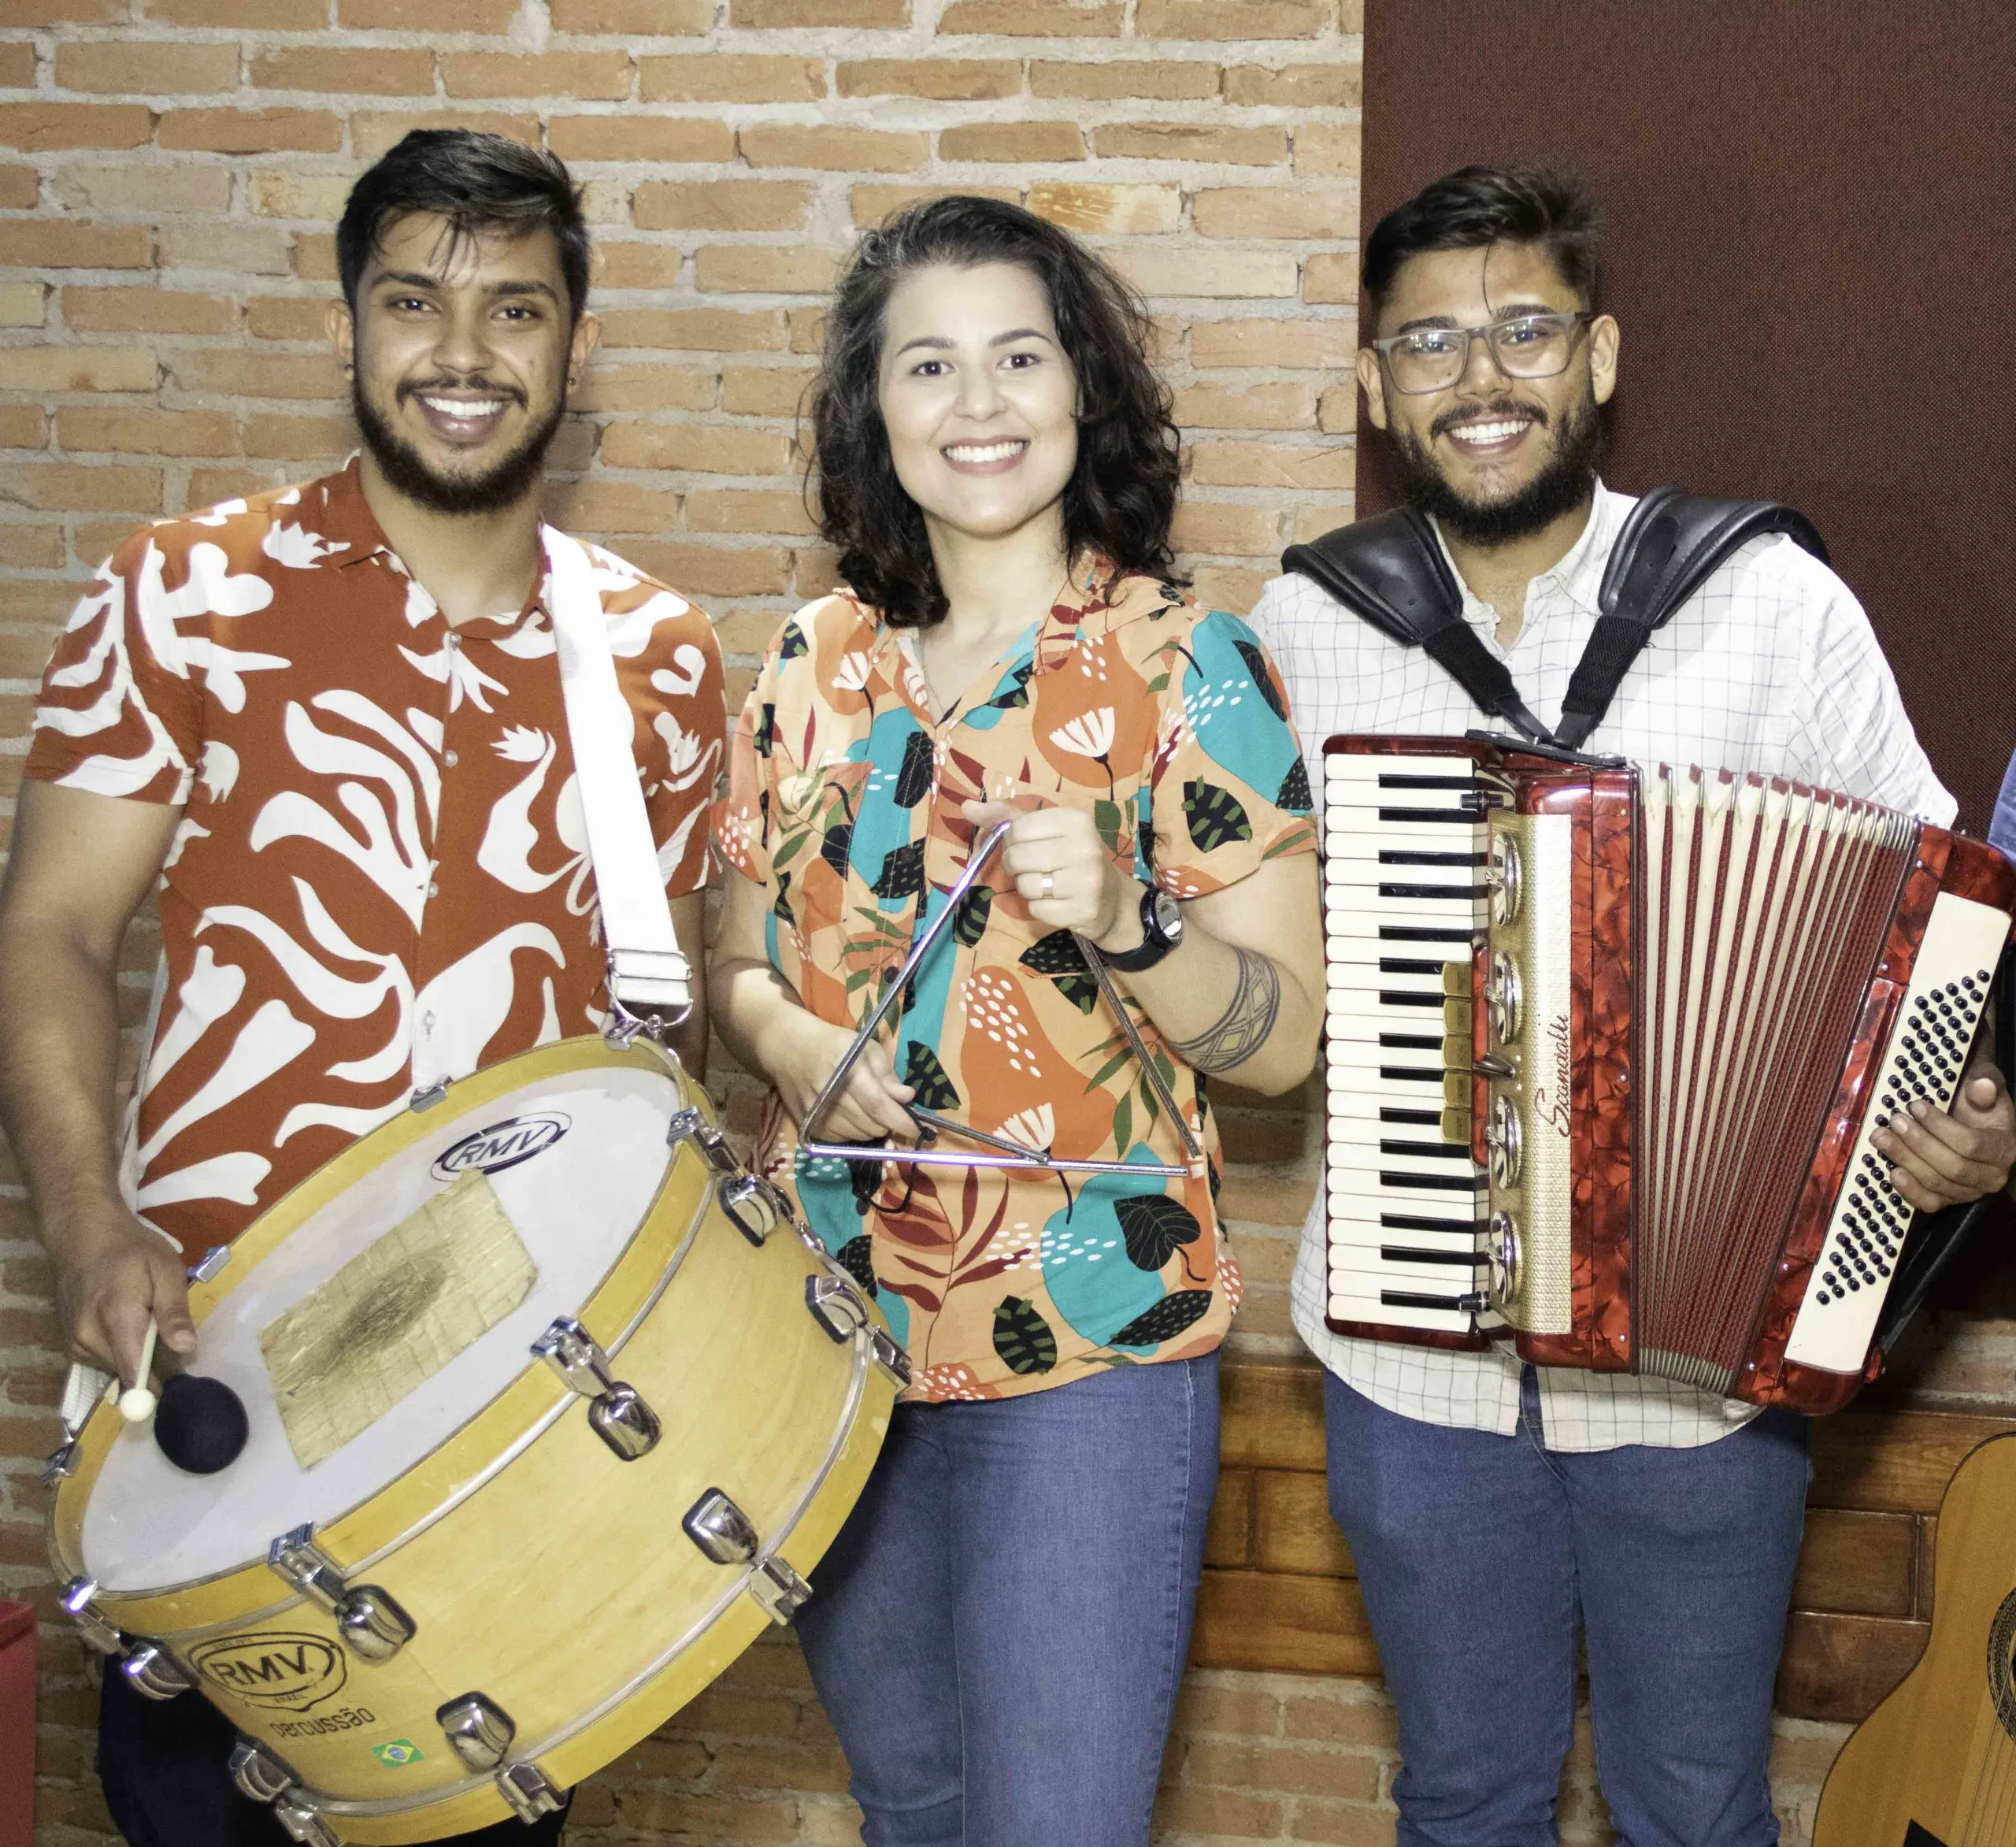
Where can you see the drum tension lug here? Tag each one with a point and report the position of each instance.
(529, 1791)
(210, 1263)
(689, 1125)
(425, 1099)
(478, 1730)
(62, 1464)
(153, 1673)
(837, 1306)
(889, 1355)
(752, 1206)
(75, 1601)
(370, 1621)
(303, 1824)
(261, 1777)
(727, 1536)
(617, 1412)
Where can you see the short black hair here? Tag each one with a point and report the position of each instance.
(1475, 207)
(478, 183)
(1121, 495)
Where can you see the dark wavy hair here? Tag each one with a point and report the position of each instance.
(1121, 495)
(1476, 206)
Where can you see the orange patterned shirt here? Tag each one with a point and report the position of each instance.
(1166, 723)
(380, 877)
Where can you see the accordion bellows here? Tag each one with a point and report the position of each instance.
(1605, 1053)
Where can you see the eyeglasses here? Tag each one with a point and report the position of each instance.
(1434, 358)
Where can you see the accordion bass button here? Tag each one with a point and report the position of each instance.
(1502, 994)
(1505, 1144)
(1502, 1260)
(1503, 875)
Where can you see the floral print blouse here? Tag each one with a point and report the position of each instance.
(1168, 724)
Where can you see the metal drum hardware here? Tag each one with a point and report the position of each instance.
(753, 1206)
(259, 1774)
(526, 1787)
(837, 1306)
(370, 1620)
(729, 1537)
(478, 1730)
(617, 1414)
(152, 1671)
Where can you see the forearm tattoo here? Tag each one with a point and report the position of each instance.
(1245, 1025)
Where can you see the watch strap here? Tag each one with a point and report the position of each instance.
(1154, 945)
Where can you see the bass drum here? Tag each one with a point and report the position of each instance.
(570, 1525)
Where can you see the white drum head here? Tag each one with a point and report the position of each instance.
(598, 1157)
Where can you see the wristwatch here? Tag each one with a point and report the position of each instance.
(1161, 930)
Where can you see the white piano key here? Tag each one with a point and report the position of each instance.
(1370, 1309)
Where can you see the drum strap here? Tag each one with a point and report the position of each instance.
(646, 968)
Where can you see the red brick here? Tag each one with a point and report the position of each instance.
(1344, 1721)
(872, 203)
(713, 570)
(17, 63)
(24, 547)
(296, 438)
(1327, 213)
(1219, 1812)
(1284, 1769)
(254, 375)
(827, 15)
(146, 310)
(582, 76)
(1297, 85)
(256, 16)
(1036, 19)
(59, 243)
(1012, 141)
(21, 189)
(946, 79)
(764, 270)
(1109, 209)
(747, 509)
(832, 150)
(57, 487)
(1346, 1824)
(1187, 141)
(694, 330)
(372, 135)
(696, 448)
(315, 256)
(287, 317)
(648, 388)
(1160, 80)
(44, 127)
(1169, 270)
(731, 77)
(1300, 345)
(635, 266)
(136, 430)
(209, 486)
(17, 14)
(629, 136)
(614, 506)
(149, 188)
(253, 131)
(492, 17)
(1233, 19)
(147, 66)
(1229, 528)
(1336, 411)
(49, 370)
(651, 19)
(1330, 469)
(1330, 276)
(346, 69)
(1327, 150)
(722, 205)
(764, 390)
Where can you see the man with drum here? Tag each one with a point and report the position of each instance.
(1492, 1509)
(329, 721)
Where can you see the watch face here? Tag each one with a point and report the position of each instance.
(1168, 918)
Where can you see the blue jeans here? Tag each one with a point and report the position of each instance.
(998, 1631)
(1478, 1554)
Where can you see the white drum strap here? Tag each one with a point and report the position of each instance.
(645, 968)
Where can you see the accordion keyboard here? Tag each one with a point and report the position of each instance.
(1926, 1058)
(1403, 895)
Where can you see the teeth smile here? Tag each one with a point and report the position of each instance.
(982, 452)
(464, 407)
(1488, 433)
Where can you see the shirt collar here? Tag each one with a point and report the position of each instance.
(1576, 577)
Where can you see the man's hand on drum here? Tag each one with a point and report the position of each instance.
(1063, 870)
(869, 1108)
(109, 1279)
(1946, 1158)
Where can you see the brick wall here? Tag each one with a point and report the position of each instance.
(170, 170)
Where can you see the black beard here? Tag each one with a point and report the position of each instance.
(505, 483)
(1560, 487)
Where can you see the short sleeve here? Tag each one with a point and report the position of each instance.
(743, 817)
(1229, 789)
(1850, 730)
(117, 713)
(673, 686)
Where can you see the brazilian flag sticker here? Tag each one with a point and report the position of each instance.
(398, 1752)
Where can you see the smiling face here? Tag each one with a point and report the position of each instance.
(463, 352)
(978, 398)
(1495, 457)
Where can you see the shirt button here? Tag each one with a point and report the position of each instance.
(433, 890)
(454, 641)
(426, 1022)
(451, 760)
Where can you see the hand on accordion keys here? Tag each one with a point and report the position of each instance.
(1945, 1158)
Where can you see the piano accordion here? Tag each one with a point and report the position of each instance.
(1605, 1053)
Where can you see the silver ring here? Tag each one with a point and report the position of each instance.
(1049, 884)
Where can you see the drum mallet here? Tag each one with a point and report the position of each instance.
(137, 1404)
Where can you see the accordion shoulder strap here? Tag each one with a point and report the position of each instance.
(1390, 571)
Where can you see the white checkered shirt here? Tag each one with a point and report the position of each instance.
(1771, 667)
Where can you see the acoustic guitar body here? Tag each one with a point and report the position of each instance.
(1934, 1764)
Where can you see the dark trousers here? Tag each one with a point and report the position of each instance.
(163, 1765)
